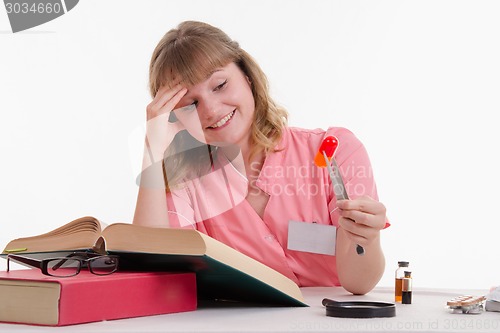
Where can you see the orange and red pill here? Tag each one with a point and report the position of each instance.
(329, 146)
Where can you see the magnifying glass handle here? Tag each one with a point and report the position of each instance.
(327, 301)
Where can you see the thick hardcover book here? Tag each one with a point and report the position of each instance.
(222, 273)
(29, 297)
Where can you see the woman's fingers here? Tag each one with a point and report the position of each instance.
(165, 92)
(354, 236)
(362, 218)
(165, 100)
(365, 219)
(364, 210)
(363, 204)
(359, 233)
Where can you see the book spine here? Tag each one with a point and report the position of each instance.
(129, 295)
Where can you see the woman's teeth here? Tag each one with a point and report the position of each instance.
(223, 120)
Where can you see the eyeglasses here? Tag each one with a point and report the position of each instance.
(71, 264)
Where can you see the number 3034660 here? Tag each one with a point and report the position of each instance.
(34, 8)
(472, 324)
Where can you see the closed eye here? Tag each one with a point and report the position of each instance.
(220, 86)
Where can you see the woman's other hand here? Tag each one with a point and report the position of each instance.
(362, 219)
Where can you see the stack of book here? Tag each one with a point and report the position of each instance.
(161, 271)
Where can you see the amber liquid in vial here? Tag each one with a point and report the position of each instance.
(399, 290)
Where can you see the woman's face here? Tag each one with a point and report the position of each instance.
(219, 110)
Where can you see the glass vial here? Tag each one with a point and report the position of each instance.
(406, 288)
(402, 265)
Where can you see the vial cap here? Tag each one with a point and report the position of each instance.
(403, 263)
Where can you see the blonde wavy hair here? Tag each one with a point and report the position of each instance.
(189, 54)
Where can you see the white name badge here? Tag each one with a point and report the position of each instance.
(312, 237)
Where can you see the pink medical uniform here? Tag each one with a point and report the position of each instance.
(298, 191)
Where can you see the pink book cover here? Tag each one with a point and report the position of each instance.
(87, 297)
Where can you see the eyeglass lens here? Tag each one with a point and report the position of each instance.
(103, 265)
(63, 267)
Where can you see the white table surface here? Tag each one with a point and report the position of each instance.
(427, 313)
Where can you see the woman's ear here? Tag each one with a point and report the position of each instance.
(248, 80)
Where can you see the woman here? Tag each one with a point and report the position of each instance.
(234, 170)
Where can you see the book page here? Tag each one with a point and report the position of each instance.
(78, 234)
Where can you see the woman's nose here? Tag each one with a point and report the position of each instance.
(208, 110)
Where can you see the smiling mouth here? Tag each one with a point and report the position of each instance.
(223, 121)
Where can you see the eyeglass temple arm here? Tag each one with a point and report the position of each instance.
(24, 260)
(60, 263)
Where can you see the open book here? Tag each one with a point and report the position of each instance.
(222, 273)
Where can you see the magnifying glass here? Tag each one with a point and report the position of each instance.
(359, 309)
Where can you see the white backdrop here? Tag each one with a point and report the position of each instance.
(416, 81)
